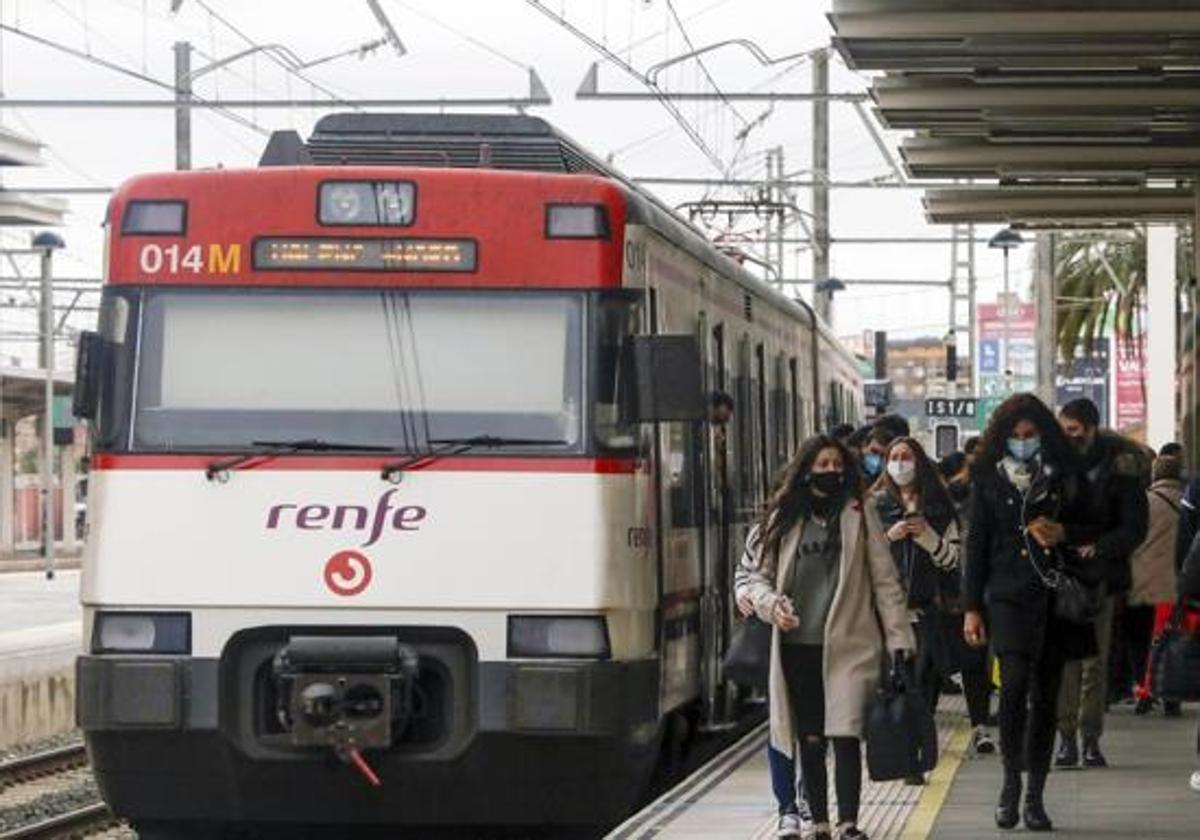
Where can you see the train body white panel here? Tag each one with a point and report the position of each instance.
(449, 548)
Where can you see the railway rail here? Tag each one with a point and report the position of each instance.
(50, 810)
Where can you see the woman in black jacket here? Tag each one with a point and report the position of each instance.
(922, 529)
(1028, 512)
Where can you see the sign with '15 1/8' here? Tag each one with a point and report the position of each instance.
(951, 407)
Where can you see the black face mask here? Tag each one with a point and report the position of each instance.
(959, 490)
(830, 485)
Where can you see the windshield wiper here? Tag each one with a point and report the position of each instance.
(268, 449)
(446, 447)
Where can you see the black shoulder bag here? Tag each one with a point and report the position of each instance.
(748, 660)
(1074, 600)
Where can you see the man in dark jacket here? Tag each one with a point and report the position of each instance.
(1119, 512)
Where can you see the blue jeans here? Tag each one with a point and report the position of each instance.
(783, 780)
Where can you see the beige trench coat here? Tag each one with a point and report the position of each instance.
(1153, 563)
(868, 596)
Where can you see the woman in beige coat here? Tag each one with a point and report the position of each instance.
(824, 577)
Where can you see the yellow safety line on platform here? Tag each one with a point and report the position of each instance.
(933, 797)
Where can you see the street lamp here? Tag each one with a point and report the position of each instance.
(47, 243)
(1006, 240)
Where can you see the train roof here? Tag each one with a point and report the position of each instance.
(498, 141)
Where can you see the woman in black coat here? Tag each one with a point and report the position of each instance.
(922, 529)
(1028, 512)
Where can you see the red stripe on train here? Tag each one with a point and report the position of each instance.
(372, 463)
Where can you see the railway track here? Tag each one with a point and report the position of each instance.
(38, 765)
(50, 794)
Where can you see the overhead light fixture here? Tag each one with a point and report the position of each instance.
(1006, 239)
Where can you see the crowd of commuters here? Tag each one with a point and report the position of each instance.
(1041, 560)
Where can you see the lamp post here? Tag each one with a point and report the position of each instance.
(823, 294)
(1006, 240)
(47, 243)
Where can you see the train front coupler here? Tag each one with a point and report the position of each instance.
(344, 693)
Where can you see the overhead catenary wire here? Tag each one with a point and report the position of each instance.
(662, 96)
(126, 71)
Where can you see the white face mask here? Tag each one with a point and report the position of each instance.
(902, 472)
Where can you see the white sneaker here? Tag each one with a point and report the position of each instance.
(981, 741)
(1194, 782)
(789, 826)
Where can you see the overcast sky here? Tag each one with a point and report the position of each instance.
(468, 48)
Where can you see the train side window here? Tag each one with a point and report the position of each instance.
(779, 414)
(616, 322)
(763, 440)
(795, 405)
(743, 417)
(718, 336)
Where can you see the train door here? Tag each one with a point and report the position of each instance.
(719, 502)
(679, 522)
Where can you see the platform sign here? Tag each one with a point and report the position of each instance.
(1086, 375)
(989, 355)
(1130, 384)
(951, 407)
(877, 393)
(1007, 352)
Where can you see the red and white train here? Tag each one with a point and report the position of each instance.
(400, 473)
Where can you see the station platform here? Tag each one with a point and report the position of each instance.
(39, 640)
(1144, 793)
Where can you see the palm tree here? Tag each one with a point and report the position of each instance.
(1103, 281)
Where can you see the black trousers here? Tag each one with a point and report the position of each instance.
(1029, 708)
(847, 776)
(977, 689)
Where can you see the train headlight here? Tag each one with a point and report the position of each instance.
(558, 636)
(129, 632)
(367, 203)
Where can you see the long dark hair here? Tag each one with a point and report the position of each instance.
(791, 500)
(1055, 449)
(930, 487)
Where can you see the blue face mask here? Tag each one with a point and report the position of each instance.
(873, 463)
(1025, 449)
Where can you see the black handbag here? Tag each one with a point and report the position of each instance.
(1175, 661)
(748, 660)
(901, 733)
(1075, 600)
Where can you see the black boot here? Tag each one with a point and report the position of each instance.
(1010, 799)
(1036, 818)
(1067, 757)
(1092, 757)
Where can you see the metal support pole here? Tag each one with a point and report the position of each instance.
(47, 363)
(1160, 335)
(1045, 295)
(777, 194)
(972, 329)
(822, 299)
(1007, 315)
(183, 114)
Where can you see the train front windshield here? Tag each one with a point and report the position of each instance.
(217, 369)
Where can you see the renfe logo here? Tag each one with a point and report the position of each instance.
(347, 573)
(348, 517)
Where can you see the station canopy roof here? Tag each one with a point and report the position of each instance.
(17, 208)
(1070, 112)
(22, 391)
